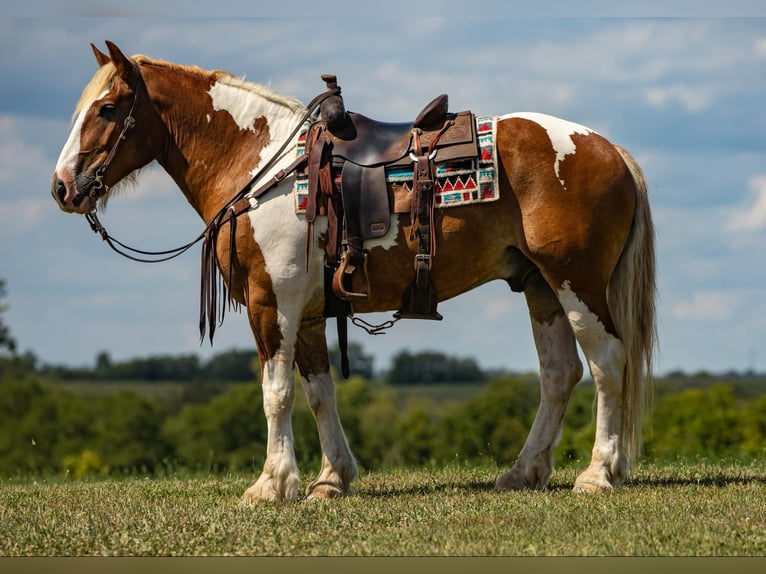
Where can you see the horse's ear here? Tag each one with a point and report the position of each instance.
(101, 58)
(125, 66)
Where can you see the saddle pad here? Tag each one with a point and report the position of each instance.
(457, 182)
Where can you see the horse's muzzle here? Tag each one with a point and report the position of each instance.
(67, 199)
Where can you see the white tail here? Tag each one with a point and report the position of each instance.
(631, 297)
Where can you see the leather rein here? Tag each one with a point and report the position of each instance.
(227, 214)
(159, 256)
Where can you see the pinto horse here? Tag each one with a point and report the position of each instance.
(572, 229)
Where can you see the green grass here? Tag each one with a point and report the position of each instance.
(700, 508)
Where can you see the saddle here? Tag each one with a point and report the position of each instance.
(348, 154)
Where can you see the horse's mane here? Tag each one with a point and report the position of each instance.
(105, 75)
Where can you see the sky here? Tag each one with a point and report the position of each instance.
(682, 87)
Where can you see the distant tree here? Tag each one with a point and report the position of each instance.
(229, 432)
(127, 432)
(492, 424)
(7, 342)
(157, 368)
(103, 362)
(232, 366)
(704, 421)
(359, 362)
(431, 367)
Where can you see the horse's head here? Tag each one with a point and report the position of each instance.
(116, 130)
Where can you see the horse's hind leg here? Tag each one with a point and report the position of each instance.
(560, 370)
(605, 353)
(339, 469)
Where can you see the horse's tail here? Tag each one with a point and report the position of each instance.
(631, 296)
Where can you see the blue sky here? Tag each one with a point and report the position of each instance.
(684, 94)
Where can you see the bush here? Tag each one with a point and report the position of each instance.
(44, 428)
(696, 422)
(492, 425)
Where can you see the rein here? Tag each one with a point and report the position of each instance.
(209, 309)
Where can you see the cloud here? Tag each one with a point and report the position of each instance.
(17, 156)
(691, 99)
(706, 306)
(750, 216)
(495, 306)
(23, 214)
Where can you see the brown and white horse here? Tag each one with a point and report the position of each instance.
(572, 228)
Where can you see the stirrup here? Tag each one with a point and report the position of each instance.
(340, 275)
(419, 303)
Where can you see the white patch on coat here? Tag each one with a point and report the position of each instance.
(388, 241)
(559, 131)
(242, 108)
(281, 236)
(604, 351)
(245, 107)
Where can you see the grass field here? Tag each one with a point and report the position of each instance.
(685, 509)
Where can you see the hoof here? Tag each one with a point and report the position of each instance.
(511, 480)
(593, 482)
(592, 487)
(265, 490)
(324, 491)
(524, 478)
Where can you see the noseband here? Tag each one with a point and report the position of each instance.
(99, 187)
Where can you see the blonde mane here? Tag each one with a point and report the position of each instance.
(105, 75)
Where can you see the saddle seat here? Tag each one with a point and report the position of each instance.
(368, 142)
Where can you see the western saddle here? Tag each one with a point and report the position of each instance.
(348, 154)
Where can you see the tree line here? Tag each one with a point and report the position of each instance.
(50, 428)
(238, 365)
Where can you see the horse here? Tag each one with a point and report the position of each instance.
(571, 229)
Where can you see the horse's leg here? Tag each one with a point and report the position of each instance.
(339, 469)
(560, 370)
(605, 353)
(276, 349)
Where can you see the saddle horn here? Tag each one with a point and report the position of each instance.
(333, 111)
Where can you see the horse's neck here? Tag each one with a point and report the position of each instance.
(223, 137)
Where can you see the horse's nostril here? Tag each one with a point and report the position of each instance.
(61, 191)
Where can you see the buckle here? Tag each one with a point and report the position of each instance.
(423, 258)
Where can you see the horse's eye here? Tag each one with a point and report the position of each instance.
(106, 111)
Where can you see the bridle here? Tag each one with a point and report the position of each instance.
(99, 187)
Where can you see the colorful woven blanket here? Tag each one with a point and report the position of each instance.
(457, 182)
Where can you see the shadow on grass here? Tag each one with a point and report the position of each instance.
(720, 480)
(469, 486)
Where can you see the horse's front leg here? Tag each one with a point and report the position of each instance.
(276, 351)
(339, 468)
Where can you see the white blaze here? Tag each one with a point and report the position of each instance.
(68, 156)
